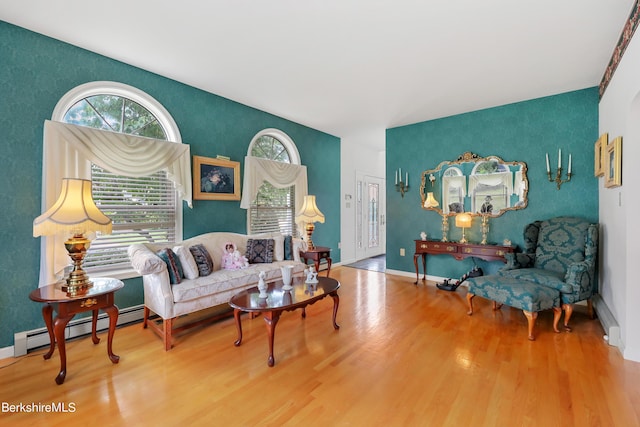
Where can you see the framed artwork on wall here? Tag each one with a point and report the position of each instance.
(613, 164)
(215, 179)
(600, 151)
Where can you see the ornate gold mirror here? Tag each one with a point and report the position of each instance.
(474, 184)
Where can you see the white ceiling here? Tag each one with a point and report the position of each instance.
(347, 67)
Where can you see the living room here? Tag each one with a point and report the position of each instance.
(38, 70)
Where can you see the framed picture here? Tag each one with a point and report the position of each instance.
(600, 151)
(215, 179)
(613, 164)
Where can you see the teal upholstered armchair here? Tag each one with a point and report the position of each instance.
(560, 253)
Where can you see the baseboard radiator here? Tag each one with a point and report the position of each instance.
(28, 340)
(608, 322)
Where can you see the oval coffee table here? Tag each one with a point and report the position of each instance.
(278, 300)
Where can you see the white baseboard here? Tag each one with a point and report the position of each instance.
(608, 322)
(28, 340)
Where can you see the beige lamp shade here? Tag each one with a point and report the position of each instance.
(431, 201)
(74, 212)
(309, 212)
(463, 220)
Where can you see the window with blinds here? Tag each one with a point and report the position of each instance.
(143, 210)
(273, 210)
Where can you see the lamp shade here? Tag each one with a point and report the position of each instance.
(309, 212)
(463, 220)
(74, 212)
(431, 201)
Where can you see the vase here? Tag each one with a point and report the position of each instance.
(287, 271)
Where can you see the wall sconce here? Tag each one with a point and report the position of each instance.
(558, 180)
(432, 179)
(463, 220)
(402, 186)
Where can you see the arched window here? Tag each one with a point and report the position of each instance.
(143, 209)
(273, 209)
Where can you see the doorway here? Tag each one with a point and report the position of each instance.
(370, 216)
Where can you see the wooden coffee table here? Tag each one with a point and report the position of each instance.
(278, 301)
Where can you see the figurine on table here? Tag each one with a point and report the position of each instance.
(312, 275)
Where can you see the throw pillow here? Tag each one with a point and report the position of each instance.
(260, 251)
(174, 267)
(202, 258)
(288, 247)
(189, 266)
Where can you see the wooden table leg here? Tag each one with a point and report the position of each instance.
(112, 311)
(47, 315)
(415, 264)
(336, 303)
(328, 265)
(94, 325)
(236, 315)
(59, 324)
(271, 320)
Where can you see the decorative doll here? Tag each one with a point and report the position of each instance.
(232, 259)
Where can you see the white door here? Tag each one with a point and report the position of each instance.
(370, 217)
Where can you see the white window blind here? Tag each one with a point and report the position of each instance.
(142, 210)
(273, 210)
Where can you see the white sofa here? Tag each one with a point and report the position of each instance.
(190, 295)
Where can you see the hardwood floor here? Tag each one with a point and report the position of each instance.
(405, 355)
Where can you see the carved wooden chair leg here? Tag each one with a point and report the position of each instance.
(590, 311)
(568, 311)
(145, 317)
(470, 303)
(557, 313)
(531, 321)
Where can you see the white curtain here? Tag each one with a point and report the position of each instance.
(458, 182)
(501, 178)
(278, 174)
(69, 150)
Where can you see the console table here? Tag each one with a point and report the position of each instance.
(457, 250)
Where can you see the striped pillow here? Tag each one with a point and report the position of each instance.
(203, 259)
(174, 266)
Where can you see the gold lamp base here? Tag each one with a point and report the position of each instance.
(309, 229)
(78, 281)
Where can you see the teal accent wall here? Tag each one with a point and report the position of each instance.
(36, 71)
(523, 131)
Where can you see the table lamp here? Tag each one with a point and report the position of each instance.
(431, 201)
(74, 213)
(463, 220)
(309, 214)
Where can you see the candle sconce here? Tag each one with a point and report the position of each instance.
(432, 179)
(558, 179)
(402, 186)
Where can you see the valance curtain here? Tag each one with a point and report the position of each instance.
(69, 151)
(501, 178)
(278, 174)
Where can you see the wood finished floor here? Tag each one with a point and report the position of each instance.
(405, 355)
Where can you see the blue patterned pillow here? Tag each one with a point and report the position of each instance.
(202, 258)
(260, 251)
(174, 266)
(288, 247)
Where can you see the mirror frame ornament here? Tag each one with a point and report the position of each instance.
(428, 176)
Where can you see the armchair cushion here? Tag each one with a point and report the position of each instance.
(548, 278)
(561, 242)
